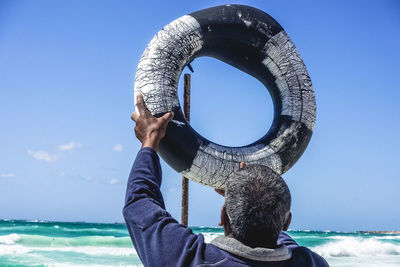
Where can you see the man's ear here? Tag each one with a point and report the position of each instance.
(287, 223)
(223, 217)
(225, 222)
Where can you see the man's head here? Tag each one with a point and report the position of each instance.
(257, 204)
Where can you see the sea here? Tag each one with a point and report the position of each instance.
(43, 243)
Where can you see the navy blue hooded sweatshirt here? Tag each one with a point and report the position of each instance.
(161, 241)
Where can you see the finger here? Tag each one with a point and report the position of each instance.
(242, 165)
(135, 116)
(140, 104)
(167, 117)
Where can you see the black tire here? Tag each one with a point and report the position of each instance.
(252, 41)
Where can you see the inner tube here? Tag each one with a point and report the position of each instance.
(252, 41)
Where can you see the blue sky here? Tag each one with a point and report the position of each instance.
(66, 94)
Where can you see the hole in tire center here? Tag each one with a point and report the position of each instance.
(227, 106)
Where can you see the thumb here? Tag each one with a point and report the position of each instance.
(135, 116)
(167, 117)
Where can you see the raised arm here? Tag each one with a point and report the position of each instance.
(158, 238)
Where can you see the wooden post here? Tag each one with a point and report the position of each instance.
(185, 181)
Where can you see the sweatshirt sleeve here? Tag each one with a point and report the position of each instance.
(158, 238)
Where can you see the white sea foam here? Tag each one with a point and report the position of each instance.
(88, 250)
(357, 247)
(111, 251)
(339, 237)
(8, 245)
(9, 239)
(12, 249)
(85, 265)
(209, 237)
(299, 237)
(37, 220)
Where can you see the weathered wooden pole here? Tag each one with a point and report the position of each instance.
(185, 181)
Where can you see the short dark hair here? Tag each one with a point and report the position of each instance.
(257, 202)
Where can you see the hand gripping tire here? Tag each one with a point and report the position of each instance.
(252, 41)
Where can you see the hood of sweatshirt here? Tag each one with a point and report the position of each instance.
(236, 247)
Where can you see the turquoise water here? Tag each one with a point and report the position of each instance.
(36, 243)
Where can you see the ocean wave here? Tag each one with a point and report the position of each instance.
(89, 250)
(365, 237)
(357, 247)
(47, 241)
(95, 230)
(9, 239)
(36, 221)
(389, 237)
(91, 245)
(296, 237)
(85, 265)
(209, 237)
(12, 249)
(339, 237)
(93, 251)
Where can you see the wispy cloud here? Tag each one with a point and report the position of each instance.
(56, 154)
(69, 147)
(7, 175)
(118, 148)
(43, 155)
(113, 181)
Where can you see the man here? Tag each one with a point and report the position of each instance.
(256, 210)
